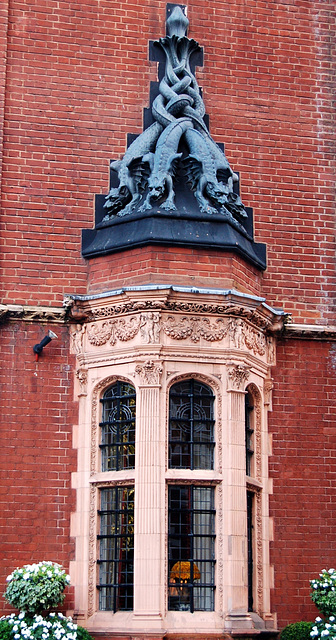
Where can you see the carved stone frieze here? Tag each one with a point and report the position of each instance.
(220, 309)
(150, 372)
(244, 335)
(195, 328)
(238, 375)
(124, 329)
(150, 327)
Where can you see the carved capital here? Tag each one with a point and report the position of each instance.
(238, 375)
(150, 372)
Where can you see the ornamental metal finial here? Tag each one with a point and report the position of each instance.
(177, 23)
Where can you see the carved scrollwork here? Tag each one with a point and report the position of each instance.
(127, 329)
(109, 330)
(195, 328)
(100, 334)
(150, 372)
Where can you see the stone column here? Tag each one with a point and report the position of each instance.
(238, 617)
(149, 498)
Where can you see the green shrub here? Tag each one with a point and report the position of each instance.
(37, 587)
(5, 630)
(297, 631)
(82, 634)
(323, 592)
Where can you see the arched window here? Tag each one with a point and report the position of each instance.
(191, 426)
(249, 431)
(118, 427)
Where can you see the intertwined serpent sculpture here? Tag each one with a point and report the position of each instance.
(178, 137)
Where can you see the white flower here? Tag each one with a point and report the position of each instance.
(318, 619)
(325, 632)
(332, 618)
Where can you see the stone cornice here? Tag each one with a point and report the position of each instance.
(309, 331)
(78, 309)
(32, 313)
(184, 300)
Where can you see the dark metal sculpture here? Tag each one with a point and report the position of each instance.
(177, 140)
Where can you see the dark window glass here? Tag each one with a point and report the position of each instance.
(191, 426)
(249, 433)
(118, 427)
(116, 549)
(191, 548)
(250, 497)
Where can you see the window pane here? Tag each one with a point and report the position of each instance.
(118, 427)
(191, 548)
(116, 549)
(249, 433)
(191, 426)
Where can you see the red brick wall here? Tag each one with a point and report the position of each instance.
(75, 83)
(37, 414)
(173, 265)
(77, 80)
(303, 469)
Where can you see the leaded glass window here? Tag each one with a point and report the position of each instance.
(118, 427)
(191, 548)
(116, 549)
(191, 426)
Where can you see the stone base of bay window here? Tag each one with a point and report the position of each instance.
(253, 634)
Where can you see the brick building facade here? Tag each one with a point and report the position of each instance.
(74, 81)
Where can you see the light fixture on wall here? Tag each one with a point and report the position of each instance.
(38, 348)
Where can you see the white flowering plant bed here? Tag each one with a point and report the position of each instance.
(324, 628)
(37, 587)
(55, 626)
(323, 592)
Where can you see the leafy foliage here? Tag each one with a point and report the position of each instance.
(83, 634)
(297, 631)
(37, 587)
(5, 630)
(323, 592)
(324, 629)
